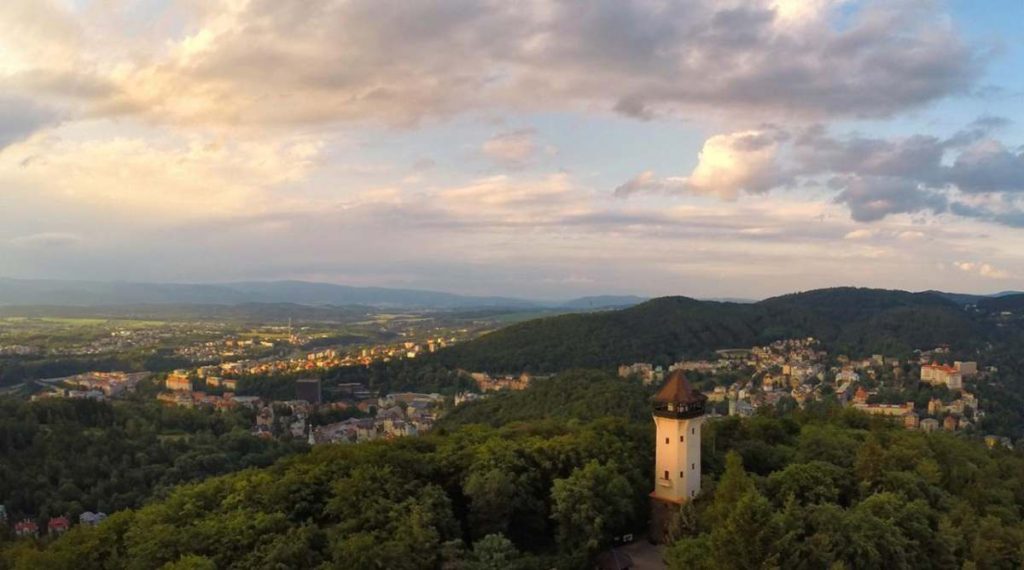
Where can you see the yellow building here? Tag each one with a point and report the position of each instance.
(178, 381)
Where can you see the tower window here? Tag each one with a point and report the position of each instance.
(693, 431)
(666, 440)
(666, 475)
(682, 474)
(681, 438)
(693, 466)
(692, 493)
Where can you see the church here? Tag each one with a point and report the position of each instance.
(678, 415)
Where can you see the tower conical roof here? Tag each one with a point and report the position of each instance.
(677, 389)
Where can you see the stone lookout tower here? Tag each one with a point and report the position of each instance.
(678, 414)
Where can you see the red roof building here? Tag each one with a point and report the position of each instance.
(26, 528)
(58, 525)
(860, 396)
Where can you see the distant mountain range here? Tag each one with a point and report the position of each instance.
(49, 292)
(968, 299)
(96, 293)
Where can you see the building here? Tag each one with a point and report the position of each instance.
(967, 369)
(929, 424)
(949, 423)
(178, 381)
(911, 421)
(642, 370)
(742, 408)
(308, 389)
(89, 518)
(860, 396)
(994, 440)
(847, 375)
(942, 375)
(678, 414)
(58, 525)
(886, 409)
(26, 527)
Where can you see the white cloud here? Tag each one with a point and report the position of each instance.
(46, 240)
(737, 162)
(874, 177)
(321, 61)
(515, 149)
(861, 233)
(163, 179)
(983, 269)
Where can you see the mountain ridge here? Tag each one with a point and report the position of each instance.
(46, 292)
(667, 329)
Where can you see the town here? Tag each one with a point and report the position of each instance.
(740, 381)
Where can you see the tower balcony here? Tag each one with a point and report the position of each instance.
(679, 410)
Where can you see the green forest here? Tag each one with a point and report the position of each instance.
(548, 478)
(858, 322)
(65, 457)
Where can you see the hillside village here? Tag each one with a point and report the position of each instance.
(739, 381)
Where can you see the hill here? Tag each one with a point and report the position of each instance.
(667, 329)
(818, 488)
(969, 299)
(581, 394)
(601, 302)
(1013, 303)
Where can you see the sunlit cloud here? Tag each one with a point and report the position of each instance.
(435, 144)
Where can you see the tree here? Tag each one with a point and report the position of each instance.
(492, 552)
(191, 562)
(590, 506)
(734, 484)
(491, 494)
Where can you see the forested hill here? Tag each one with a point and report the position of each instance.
(856, 321)
(822, 487)
(1014, 303)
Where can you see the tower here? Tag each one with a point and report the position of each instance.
(678, 414)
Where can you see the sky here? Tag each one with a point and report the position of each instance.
(542, 148)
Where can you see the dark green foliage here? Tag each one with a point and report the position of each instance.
(69, 456)
(859, 321)
(397, 505)
(856, 495)
(580, 394)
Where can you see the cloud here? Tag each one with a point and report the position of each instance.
(322, 61)
(737, 162)
(648, 182)
(165, 180)
(874, 177)
(514, 149)
(46, 240)
(728, 164)
(861, 234)
(871, 198)
(988, 166)
(20, 118)
(982, 269)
